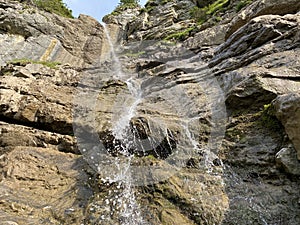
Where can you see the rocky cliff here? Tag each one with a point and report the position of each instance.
(193, 119)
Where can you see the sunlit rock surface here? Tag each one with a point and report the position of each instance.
(203, 131)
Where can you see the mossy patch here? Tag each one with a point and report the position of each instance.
(202, 14)
(134, 54)
(242, 4)
(24, 62)
(268, 118)
(182, 35)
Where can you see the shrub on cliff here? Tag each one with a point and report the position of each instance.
(123, 5)
(53, 6)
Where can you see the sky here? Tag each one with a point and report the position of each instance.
(94, 8)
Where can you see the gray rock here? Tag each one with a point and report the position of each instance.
(246, 66)
(287, 158)
(211, 36)
(220, 177)
(38, 35)
(287, 110)
(160, 19)
(258, 8)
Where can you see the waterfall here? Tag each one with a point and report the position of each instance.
(116, 61)
(129, 212)
(148, 115)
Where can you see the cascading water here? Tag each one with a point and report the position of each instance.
(127, 205)
(152, 115)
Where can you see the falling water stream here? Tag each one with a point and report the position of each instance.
(129, 209)
(121, 200)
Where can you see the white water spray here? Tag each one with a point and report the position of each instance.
(129, 212)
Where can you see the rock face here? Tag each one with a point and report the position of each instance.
(287, 111)
(35, 180)
(204, 131)
(34, 34)
(173, 17)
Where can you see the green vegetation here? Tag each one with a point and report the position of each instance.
(242, 4)
(165, 1)
(202, 14)
(125, 4)
(199, 14)
(135, 54)
(235, 134)
(182, 35)
(23, 62)
(216, 6)
(52, 6)
(147, 9)
(268, 118)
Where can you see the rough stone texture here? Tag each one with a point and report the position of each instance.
(241, 170)
(287, 110)
(38, 96)
(253, 69)
(258, 8)
(211, 36)
(173, 17)
(42, 186)
(287, 158)
(34, 34)
(13, 135)
(175, 201)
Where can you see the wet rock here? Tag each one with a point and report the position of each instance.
(189, 196)
(186, 163)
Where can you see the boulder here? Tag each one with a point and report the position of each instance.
(287, 110)
(287, 159)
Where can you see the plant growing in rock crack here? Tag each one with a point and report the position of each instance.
(205, 11)
(181, 35)
(242, 4)
(23, 62)
(268, 118)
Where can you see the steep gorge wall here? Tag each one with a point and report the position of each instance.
(254, 57)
